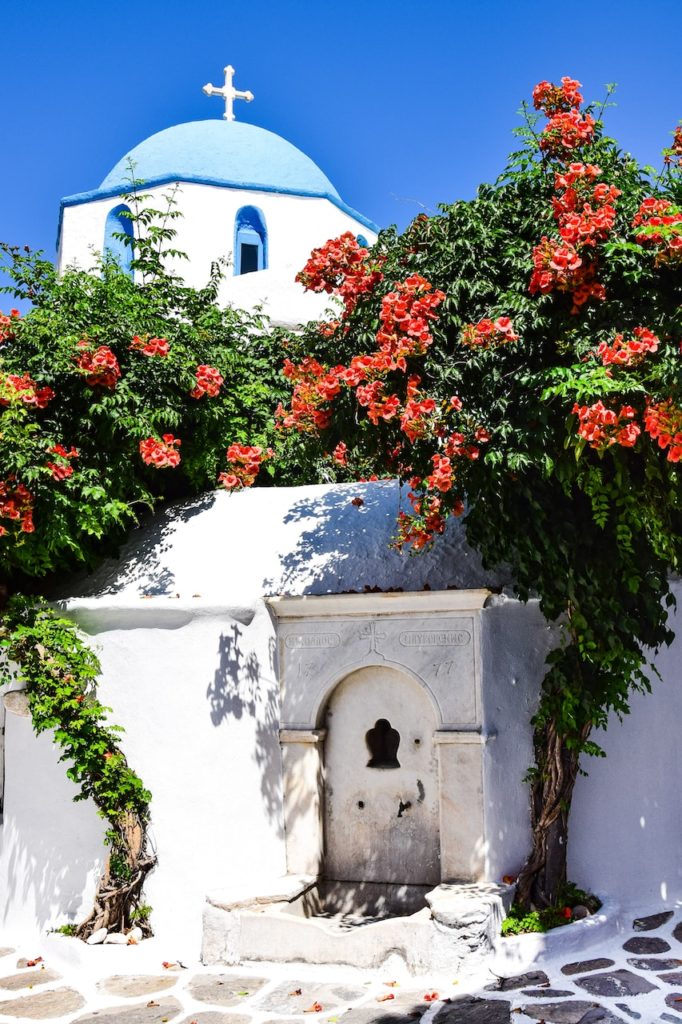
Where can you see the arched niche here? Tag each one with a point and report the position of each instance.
(381, 793)
(119, 223)
(250, 241)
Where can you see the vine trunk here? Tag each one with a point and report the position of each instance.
(544, 873)
(119, 891)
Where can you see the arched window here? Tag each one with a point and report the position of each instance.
(250, 241)
(116, 248)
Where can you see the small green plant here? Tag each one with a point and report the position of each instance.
(141, 914)
(66, 929)
(520, 921)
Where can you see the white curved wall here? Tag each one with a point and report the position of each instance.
(295, 225)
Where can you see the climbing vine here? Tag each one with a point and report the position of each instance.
(515, 360)
(44, 653)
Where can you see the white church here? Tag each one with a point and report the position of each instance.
(246, 195)
(325, 726)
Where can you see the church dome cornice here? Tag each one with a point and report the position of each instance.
(225, 154)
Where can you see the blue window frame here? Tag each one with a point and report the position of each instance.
(250, 241)
(117, 223)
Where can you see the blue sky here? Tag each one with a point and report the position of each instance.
(402, 104)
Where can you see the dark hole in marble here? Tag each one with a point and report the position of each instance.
(383, 742)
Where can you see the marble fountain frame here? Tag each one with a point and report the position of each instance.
(433, 640)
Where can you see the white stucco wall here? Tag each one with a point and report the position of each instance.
(295, 225)
(514, 643)
(625, 830)
(186, 643)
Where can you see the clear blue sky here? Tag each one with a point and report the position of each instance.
(402, 104)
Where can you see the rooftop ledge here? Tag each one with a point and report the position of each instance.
(390, 603)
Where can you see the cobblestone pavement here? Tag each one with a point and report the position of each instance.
(636, 976)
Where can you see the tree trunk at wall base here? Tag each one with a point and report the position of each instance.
(119, 890)
(544, 873)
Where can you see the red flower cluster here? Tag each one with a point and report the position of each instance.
(628, 351)
(16, 503)
(663, 421)
(414, 420)
(25, 390)
(660, 226)
(100, 366)
(405, 316)
(602, 427)
(553, 99)
(456, 446)
(209, 382)
(244, 463)
(429, 519)
(488, 333)
(585, 214)
(7, 325)
(340, 454)
(558, 266)
(61, 470)
(379, 406)
(565, 132)
(341, 267)
(161, 454)
(314, 387)
(442, 477)
(567, 128)
(329, 327)
(150, 346)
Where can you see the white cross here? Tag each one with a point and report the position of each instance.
(229, 93)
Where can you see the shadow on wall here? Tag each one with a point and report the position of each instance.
(44, 870)
(142, 557)
(347, 547)
(243, 686)
(625, 829)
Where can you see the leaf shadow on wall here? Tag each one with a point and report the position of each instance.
(343, 547)
(142, 558)
(243, 686)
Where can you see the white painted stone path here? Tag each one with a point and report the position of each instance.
(633, 973)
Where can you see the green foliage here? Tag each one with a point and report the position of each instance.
(520, 920)
(142, 913)
(45, 653)
(80, 518)
(595, 535)
(66, 929)
(72, 480)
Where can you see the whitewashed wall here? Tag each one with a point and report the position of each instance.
(295, 225)
(626, 824)
(186, 644)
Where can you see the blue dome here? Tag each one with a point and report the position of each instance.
(229, 153)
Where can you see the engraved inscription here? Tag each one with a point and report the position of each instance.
(312, 641)
(444, 668)
(435, 638)
(308, 670)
